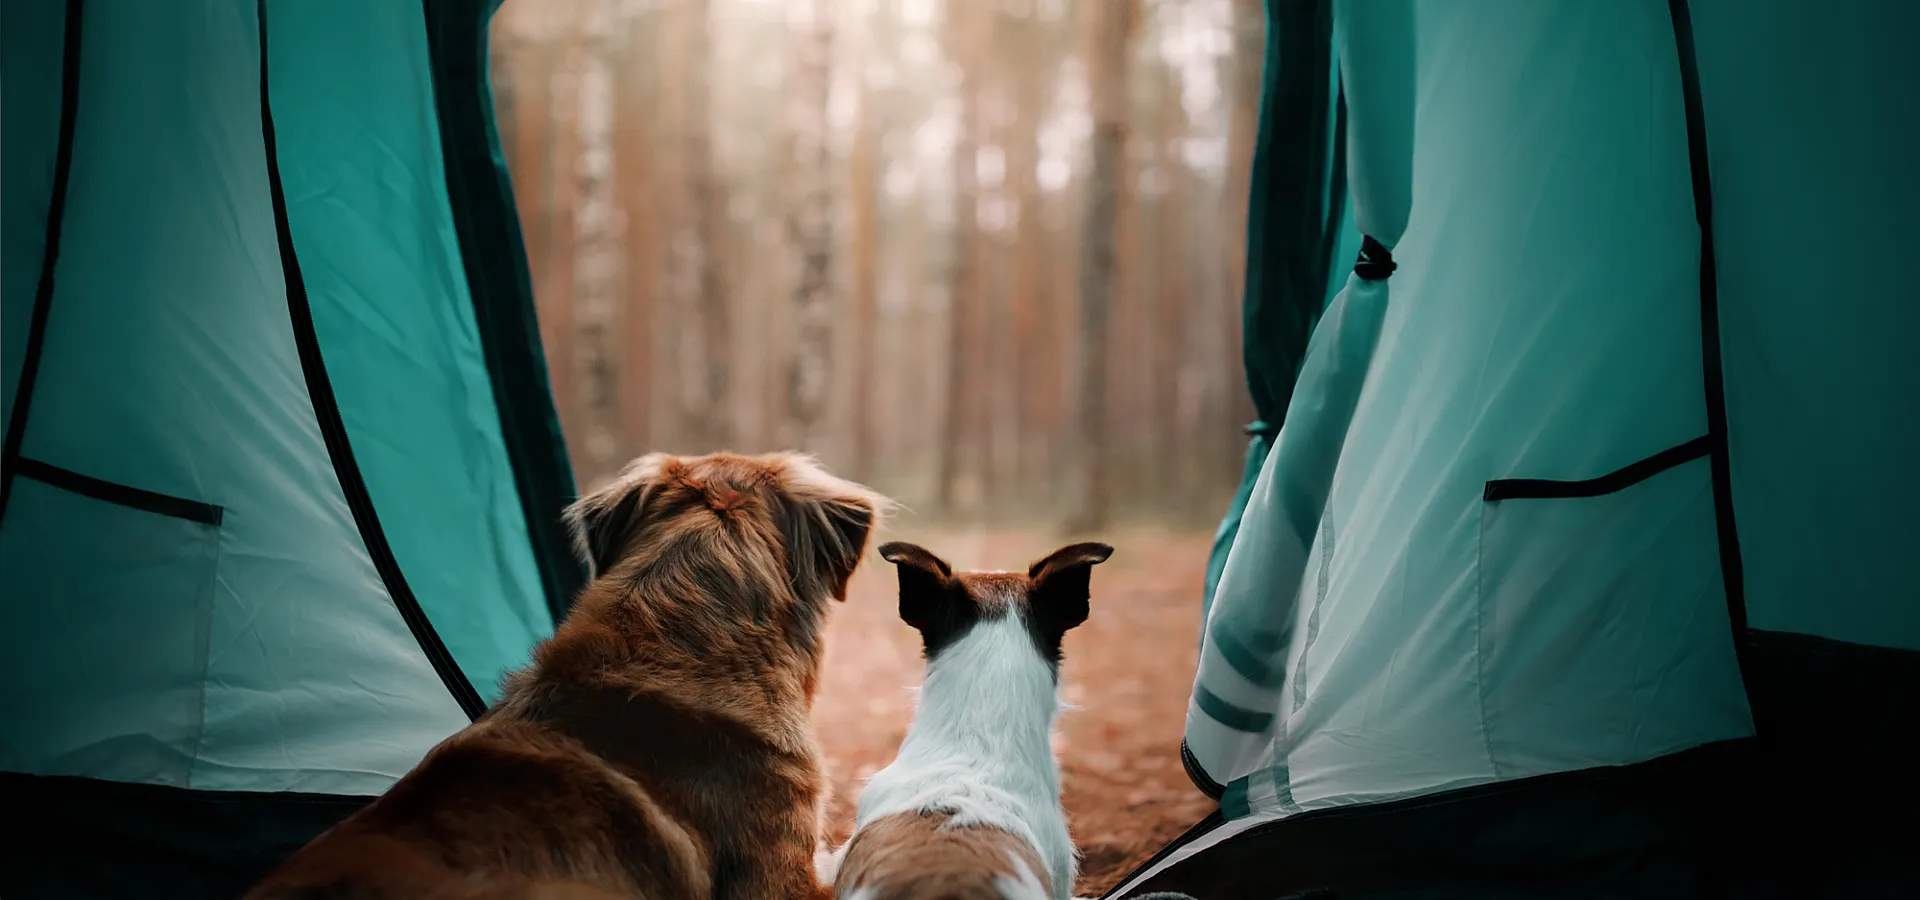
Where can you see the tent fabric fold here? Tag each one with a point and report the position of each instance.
(1592, 506)
(244, 573)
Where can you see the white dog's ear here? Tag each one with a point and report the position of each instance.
(1061, 583)
(602, 521)
(926, 586)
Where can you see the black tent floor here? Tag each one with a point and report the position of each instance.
(1684, 827)
(1824, 806)
(1687, 826)
(82, 838)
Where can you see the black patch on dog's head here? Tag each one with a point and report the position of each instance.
(932, 600)
(1050, 599)
(1059, 588)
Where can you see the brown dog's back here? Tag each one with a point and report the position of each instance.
(917, 856)
(659, 746)
(502, 798)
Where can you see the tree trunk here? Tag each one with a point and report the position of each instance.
(1243, 92)
(1030, 293)
(963, 275)
(596, 248)
(864, 189)
(505, 47)
(810, 227)
(635, 108)
(1219, 371)
(1175, 280)
(557, 316)
(699, 281)
(1107, 78)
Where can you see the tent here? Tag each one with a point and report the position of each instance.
(1576, 554)
(282, 473)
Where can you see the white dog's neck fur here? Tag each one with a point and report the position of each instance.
(981, 746)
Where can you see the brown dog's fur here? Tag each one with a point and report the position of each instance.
(908, 856)
(659, 745)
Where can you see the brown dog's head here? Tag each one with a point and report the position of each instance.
(775, 533)
(1050, 598)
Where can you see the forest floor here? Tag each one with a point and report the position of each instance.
(1128, 671)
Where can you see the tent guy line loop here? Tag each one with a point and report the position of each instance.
(1375, 262)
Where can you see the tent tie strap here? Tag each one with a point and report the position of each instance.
(1376, 261)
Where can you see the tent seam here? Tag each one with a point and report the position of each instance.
(333, 429)
(1499, 489)
(50, 255)
(1482, 648)
(520, 426)
(206, 657)
(121, 495)
(1732, 572)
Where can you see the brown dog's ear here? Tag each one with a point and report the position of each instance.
(1060, 584)
(602, 521)
(826, 526)
(925, 587)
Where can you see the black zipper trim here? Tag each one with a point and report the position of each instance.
(1613, 482)
(326, 409)
(1595, 776)
(1732, 572)
(56, 217)
(1198, 774)
(119, 494)
(1193, 833)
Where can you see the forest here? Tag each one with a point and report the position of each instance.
(985, 256)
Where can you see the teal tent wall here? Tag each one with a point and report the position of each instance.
(1589, 507)
(1817, 334)
(282, 475)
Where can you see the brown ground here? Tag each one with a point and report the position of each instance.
(1128, 669)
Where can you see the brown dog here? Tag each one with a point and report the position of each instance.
(659, 745)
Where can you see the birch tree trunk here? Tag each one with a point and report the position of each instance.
(810, 222)
(698, 281)
(596, 248)
(635, 99)
(563, 197)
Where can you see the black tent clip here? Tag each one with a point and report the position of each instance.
(1375, 262)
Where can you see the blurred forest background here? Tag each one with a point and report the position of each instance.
(984, 255)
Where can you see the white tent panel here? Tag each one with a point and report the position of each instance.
(1543, 324)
